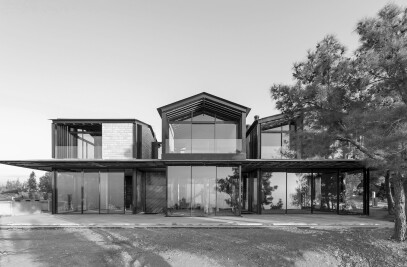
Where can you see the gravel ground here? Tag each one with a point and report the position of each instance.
(282, 246)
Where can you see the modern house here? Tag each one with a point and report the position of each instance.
(209, 162)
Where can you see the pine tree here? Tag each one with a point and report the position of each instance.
(356, 107)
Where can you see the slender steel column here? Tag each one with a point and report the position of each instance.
(312, 191)
(337, 191)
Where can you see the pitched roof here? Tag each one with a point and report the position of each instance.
(203, 101)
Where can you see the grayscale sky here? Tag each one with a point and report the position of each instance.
(123, 59)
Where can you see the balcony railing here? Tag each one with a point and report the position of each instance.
(205, 146)
(75, 152)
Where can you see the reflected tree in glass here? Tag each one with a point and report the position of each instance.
(351, 193)
(301, 196)
(267, 190)
(227, 184)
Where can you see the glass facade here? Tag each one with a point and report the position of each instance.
(351, 191)
(203, 133)
(275, 142)
(78, 141)
(326, 191)
(312, 192)
(203, 190)
(90, 192)
(299, 192)
(273, 192)
(69, 186)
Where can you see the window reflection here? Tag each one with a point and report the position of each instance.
(273, 189)
(69, 186)
(91, 192)
(112, 192)
(351, 192)
(299, 192)
(227, 191)
(179, 190)
(203, 134)
(202, 190)
(325, 192)
(275, 142)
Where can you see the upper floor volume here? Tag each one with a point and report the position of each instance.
(102, 139)
(203, 126)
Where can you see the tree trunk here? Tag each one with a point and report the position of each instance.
(400, 226)
(389, 195)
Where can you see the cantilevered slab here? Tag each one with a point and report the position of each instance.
(247, 165)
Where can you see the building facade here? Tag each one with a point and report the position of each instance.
(209, 162)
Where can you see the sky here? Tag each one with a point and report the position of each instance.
(124, 59)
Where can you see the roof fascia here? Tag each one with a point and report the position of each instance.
(199, 96)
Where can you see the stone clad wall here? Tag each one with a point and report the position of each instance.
(117, 140)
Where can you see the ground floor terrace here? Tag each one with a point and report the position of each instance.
(207, 188)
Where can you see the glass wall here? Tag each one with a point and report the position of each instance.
(78, 141)
(179, 190)
(90, 192)
(203, 133)
(202, 190)
(227, 185)
(273, 192)
(325, 191)
(299, 192)
(306, 192)
(111, 192)
(275, 142)
(69, 198)
(351, 192)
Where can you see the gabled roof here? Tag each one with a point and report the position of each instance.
(275, 120)
(202, 101)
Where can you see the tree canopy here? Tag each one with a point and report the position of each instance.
(356, 106)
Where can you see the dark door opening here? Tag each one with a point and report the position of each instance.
(128, 194)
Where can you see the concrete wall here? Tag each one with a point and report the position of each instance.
(117, 140)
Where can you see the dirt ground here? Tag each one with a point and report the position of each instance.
(282, 246)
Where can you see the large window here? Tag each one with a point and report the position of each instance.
(326, 191)
(112, 192)
(299, 192)
(69, 185)
(273, 189)
(203, 190)
(90, 192)
(203, 133)
(351, 191)
(275, 142)
(78, 141)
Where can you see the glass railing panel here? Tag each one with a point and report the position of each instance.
(205, 146)
(271, 152)
(74, 152)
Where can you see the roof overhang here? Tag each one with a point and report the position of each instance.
(203, 101)
(247, 165)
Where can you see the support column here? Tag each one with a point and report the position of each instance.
(312, 191)
(54, 199)
(337, 191)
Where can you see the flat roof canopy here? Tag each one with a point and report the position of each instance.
(247, 165)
